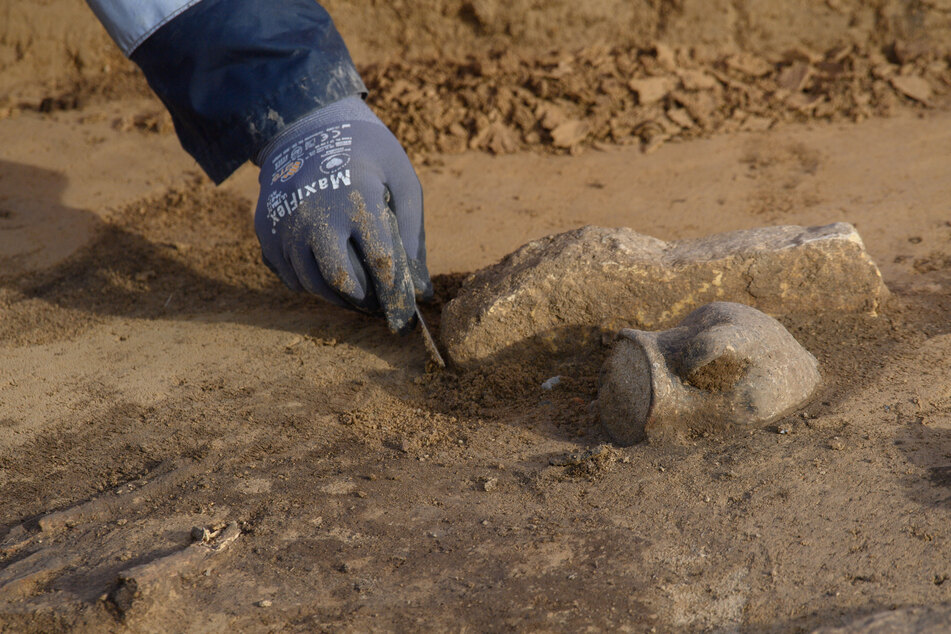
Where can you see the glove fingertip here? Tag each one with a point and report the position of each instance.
(401, 309)
(402, 325)
(284, 274)
(425, 293)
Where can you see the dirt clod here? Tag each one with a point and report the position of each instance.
(720, 375)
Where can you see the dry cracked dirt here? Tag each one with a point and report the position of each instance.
(187, 446)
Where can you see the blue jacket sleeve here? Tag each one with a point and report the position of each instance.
(233, 73)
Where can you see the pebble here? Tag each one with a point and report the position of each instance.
(264, 603)
(551, 383)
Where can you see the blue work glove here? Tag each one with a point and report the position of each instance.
(340, 213)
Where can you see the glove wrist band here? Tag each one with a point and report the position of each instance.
(347, 109)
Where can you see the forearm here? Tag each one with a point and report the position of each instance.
(233, 73)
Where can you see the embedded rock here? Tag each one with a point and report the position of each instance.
(929, 619)
(560, 293)
(726, 367)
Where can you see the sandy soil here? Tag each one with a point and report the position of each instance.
(155, 378)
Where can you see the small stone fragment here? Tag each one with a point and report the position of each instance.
(916, 88)
(551, 383)
(803, 102)
(725, 367)
(680, 117)
(569, 133)
(550, 115)
(497, 138)
(755, 123)
(697, 80)
(795, 76)
(651, 89)
(665, 56)
(559, 294)
(749, 64)
(490, 484)
(908, 51)
(264, 603)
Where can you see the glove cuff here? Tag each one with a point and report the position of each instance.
(347, 109)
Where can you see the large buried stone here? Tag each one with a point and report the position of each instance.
(929, 619)
(560, 293)
(726, 367)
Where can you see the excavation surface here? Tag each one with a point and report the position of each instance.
(154, 377)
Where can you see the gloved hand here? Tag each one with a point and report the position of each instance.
(341, 213)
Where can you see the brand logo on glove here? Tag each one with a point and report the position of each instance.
(288, 171)
(333, 163)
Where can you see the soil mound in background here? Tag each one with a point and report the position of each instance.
(59, 42)
(507, 82)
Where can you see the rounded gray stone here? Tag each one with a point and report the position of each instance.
(725, 367)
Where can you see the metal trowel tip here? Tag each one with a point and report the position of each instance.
(429, 341)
